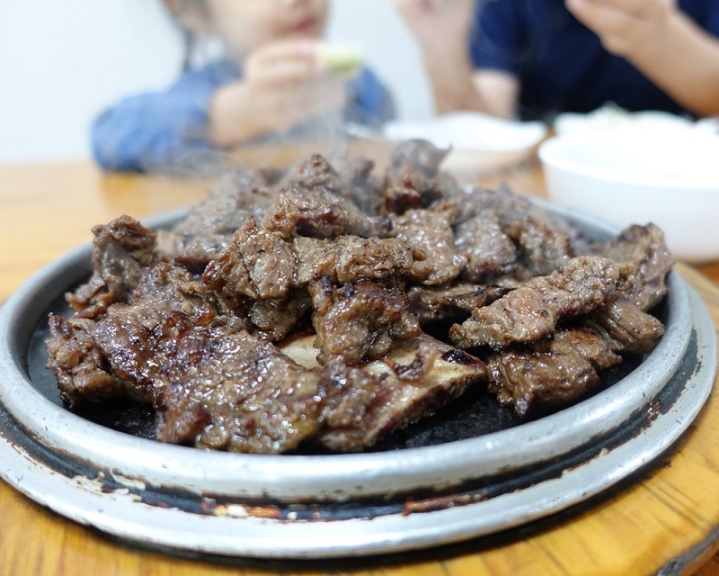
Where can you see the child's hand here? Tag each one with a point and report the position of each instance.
(440, 26)
(288, 85)
(625, 27)
(283, 85)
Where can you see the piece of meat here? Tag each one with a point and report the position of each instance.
(644, 247)
(489, 251)
(321, 214)
(410, 189)
(413, 179)
(503, 203)
(208, 228)
(348, 258)
(361, 185)
(419, 155)
(415, 379)
(442, 304)
(349, 177)
(258, 264)
(130, 335)
(413, 382)
(274, 319)
(532, 311)
(81, 370)
(80, 350)
(232, 391)
(429, 233)
(543, 248)
(359, 321)
(212, 384)
(625, 326)
(557, 372)
(167, 288)
(122, 249)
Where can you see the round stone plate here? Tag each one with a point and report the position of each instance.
(468, 471)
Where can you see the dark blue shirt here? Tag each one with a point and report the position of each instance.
(561, 64)
(152, 130)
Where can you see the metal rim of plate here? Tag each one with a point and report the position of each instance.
(341, 505)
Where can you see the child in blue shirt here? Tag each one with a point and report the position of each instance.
(271, 83)
(536, 58)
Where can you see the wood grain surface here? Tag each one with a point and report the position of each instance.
(665, 520)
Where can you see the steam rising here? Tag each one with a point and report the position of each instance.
(327, 134)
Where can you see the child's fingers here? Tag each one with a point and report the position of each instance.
(285, 63)
(287, 73)
(283, 50)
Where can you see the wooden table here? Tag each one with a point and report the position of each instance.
(667, 518)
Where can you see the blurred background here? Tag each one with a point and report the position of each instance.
(62, 62)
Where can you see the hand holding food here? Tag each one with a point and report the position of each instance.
(340, 60)
(284, 84)
(290, 82)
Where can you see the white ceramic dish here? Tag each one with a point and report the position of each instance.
(479, 143)
(658, 172)
(612, 117)
(319, 506)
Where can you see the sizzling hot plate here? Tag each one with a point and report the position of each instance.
(471, 470)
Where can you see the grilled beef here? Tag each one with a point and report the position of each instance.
(359, 321)
(321, 214)
(532, 311)
(349, 258)
(286, 308)
(122, 249)
(429, 232)
(489, 251)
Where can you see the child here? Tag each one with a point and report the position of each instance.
(273, 82)
(536, 58)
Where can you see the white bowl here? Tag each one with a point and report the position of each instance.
(480, 143)
(639, 174)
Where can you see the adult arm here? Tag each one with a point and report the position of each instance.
(661, 41)
(442, 29)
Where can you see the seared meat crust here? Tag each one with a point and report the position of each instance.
(349, 258)
(429, 233)
(532, 311)
(81, 369)
(644, 247)
(321, 214)
(560, 371)
(231, 391)
(441, 304)
(489, 251)
(122, 249)
(359, 321)
(557, 372)
(258, 264)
